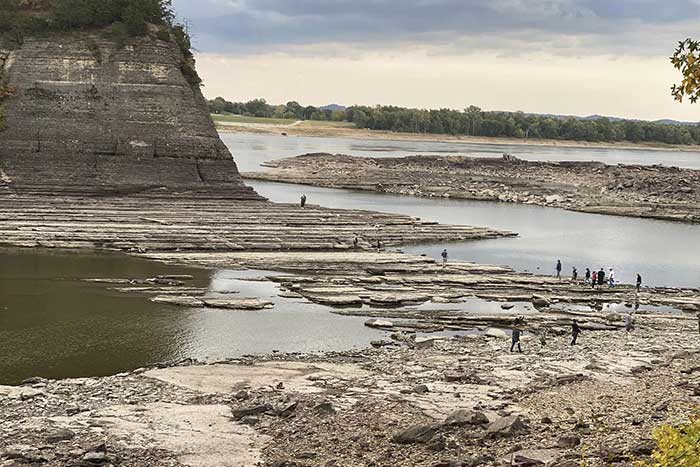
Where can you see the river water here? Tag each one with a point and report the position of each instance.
(54, 324)
(250, 150)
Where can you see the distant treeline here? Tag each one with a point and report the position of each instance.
(473, 122)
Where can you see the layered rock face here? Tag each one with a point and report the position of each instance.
(89, 115)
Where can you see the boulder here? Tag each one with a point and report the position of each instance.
(532, 457)
(379, 323)
(540, 301)
(418, 434)
(507, 426)
(466, 417)
(568, 441)
(496, 333)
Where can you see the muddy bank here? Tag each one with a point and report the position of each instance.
(656, 192)
(455, 402)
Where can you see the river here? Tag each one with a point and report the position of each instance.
(54, 324)
(664, 253)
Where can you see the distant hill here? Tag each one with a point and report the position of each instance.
(333, 107)
(616, 119)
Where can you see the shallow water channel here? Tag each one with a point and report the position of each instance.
(54, 324)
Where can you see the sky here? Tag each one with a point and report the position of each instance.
(569, 57)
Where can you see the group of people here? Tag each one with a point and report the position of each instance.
(596, 279)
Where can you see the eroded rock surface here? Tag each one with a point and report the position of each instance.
(90, 115)
(641, 191)
(552, 404)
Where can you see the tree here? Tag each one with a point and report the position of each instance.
(686, 59)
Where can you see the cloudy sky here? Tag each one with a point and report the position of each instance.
(578, 57)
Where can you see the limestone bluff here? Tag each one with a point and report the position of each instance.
(88, 114)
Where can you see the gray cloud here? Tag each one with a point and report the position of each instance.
(642, 27)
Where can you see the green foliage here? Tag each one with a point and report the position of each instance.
(676, 446)
(473, 122)
(686, 59)
(126, 18)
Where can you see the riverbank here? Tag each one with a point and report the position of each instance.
(444, 402)
(656, 192)
(439, 389)
(345, 130)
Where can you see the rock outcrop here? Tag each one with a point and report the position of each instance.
(87, 114)
(656, 191)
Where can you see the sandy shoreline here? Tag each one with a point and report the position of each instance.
(312, 129)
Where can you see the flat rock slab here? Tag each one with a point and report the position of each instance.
(227, 378)
(198, 435)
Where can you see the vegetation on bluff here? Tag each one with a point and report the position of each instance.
(121, 19)
(473, 122)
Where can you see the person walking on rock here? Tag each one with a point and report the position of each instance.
(303, 201)
(558, 269)
(444, 257)
(588, 276)
(639, 282)
(515, 336)
(575, 331)
(601, 277)
(611, 278)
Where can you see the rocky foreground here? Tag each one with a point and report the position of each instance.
(462, 401)
(657, 192)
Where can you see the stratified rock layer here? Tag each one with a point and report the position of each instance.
(89, 115)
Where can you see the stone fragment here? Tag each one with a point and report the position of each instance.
(466, 417)
(507, 426)
(418, 434)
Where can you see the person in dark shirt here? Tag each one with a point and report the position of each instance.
(574, 274)
(575, 331)
(558, 269)
(303, 201)
(639, 281)
(601, 277)
(588, 276)
(516, 339)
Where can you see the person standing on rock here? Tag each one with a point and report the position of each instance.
(355, 241)
(611, 278)
(515, 336)
(629, 322)
(639, 282)
(574, 274)
(575, 331)
(601, 277)
(588, 276)
(303, 201)
(444, 257)
(558, 269)
(594, 279)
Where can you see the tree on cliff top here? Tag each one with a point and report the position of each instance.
(17, 18)
(686, 59)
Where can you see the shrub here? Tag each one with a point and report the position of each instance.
(676, 446)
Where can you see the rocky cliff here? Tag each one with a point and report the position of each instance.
(85, 113)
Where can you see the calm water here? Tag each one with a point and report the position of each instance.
(55, 325)
(665, 253)
(250, 150)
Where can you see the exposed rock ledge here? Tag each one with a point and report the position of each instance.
(627, 190)
(458, 402)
